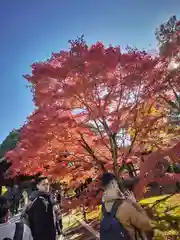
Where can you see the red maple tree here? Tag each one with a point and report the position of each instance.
(87, 100)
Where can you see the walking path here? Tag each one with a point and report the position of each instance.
(92, 233)
(15, 218)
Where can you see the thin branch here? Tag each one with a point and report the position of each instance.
(172, 208)
(100, 133)
(174, 91)
(112, 140)
(161, 200)
(170, 103)
(90, 151)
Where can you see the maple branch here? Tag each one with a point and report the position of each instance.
(90, 110)
(107, 97)
(170, 103)
(135, 121)
(132, 144)
(99, 99)
(119, 103)
(90, 151)
(129, 151)
(103, 156)
(99, 131)
(163, 199)
(113, 144)
(174, 91)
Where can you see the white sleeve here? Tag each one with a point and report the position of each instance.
(27, 233)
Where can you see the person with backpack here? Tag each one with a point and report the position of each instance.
(123, 218)
(11, 231)
(39, 214)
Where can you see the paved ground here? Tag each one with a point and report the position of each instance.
(16, 218)
(66, 221)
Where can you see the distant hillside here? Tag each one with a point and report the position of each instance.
(10, 142)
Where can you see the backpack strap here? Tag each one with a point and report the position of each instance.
(28, 207)
(45, 202)
(32, 202)
(18, 235)
(114, 209)
(103, 208)
(115, 206)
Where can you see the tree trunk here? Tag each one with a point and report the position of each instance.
(131, 170)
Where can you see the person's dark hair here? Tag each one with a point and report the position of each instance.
(40, 179)
(4, 207)
(107, 178)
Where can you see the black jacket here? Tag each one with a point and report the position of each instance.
(41, 217)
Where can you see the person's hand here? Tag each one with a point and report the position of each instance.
(130, 196)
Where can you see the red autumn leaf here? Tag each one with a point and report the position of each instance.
(95, 103)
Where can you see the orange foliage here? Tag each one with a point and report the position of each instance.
(87, 99)
(152, 169)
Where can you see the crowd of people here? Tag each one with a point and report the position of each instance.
(40, 219)
(122, 217)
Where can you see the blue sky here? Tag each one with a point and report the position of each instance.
(32, 29)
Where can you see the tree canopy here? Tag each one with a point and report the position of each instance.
(97, 109)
